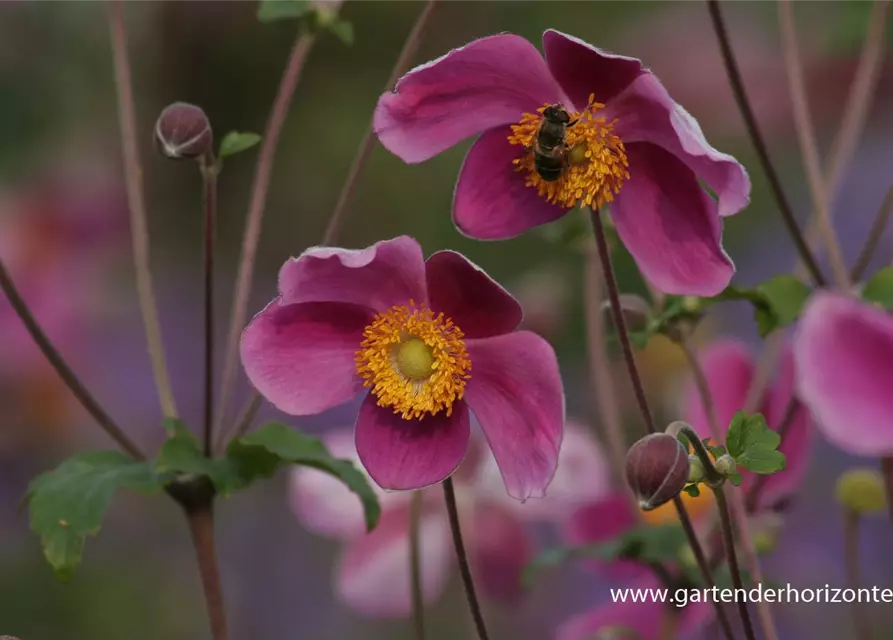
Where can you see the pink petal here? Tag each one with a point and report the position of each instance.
(373, 576)
(410, 454)
(324, 504)
(475, 302)
(728, 367)
(515, 392)
(669, 225)
(844, 358)
(487, 83)
(602, 521)
(647, 113)
(645, 618)
(491, 200)
(500, 548)
(796, 443)
(388, 273)
(301, 357)
(582, 69)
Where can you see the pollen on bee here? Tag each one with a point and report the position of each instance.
(596, 162)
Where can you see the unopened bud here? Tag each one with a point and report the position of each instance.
(726, 465)
(764, 542)
(636, 312)
(861, 490)
(657, 468)
(183, 131)
(696, 472)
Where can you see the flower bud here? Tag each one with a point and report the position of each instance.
(861, 490)
(696, 473)
(726, 465)
(635, 310)
(657, 468)
(183, 131)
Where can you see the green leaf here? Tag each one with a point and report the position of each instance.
(754, 445)
(879, 289)
(236, 142)
(272, 10)
(735, 479)
(692, 490)
(259, 455)
(343, 30)
(715, 450)
(785, 295)
(68, 503)
(181, 453)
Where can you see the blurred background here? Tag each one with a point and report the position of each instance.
(64, 236)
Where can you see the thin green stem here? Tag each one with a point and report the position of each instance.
(449, 495)
(607, 268)
(133, 179)
(65, 372)
(759, 144)
(209, 178)
(851, 522)
(729, 542)
(415, 565)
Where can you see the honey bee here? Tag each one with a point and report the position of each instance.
(550, 148)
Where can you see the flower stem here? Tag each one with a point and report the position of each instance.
(620, 324)
(415, 566)
(808, 146)
(410, 47)
(737, 503)
(874, 237)
(759, 144)
(201, 527)
(729, 542)
(260, 186)
(133, 177)
(209, 178)
(449, 496)
(851, 560)
(247, 415)
(63, 370)
(604, 396)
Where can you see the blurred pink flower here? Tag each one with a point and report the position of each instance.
(844, 354)
(373, 575)
(433, 339)
(729, 369)
(644, 153)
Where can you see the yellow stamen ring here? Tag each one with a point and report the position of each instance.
(597, 163)
(414, 361)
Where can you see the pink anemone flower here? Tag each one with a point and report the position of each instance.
(844, 354)
(626, 142)
(729, 369)
(493, 525)
(432, 341)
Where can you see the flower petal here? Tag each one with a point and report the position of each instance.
(583, 70)
(324, 504)
(646, 113)
(487, 83)
(796, 443)
(491, 200)
(728, 367)
(301, 357)
(478, 305)
(373, 576)
(388, 273)
(669, 225)
(843, 351)
(404, 454)
(516, 394)
(500, 548)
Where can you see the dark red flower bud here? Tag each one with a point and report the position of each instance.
(657, 467)
(636, 312)
(183, 131)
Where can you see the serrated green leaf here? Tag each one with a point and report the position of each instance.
(754, 445)
(786, 296)
(692, 490)
(272, 10)
(68, 503)
(236, 142)
(879, 289)
(259, 455)
(182, 453)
